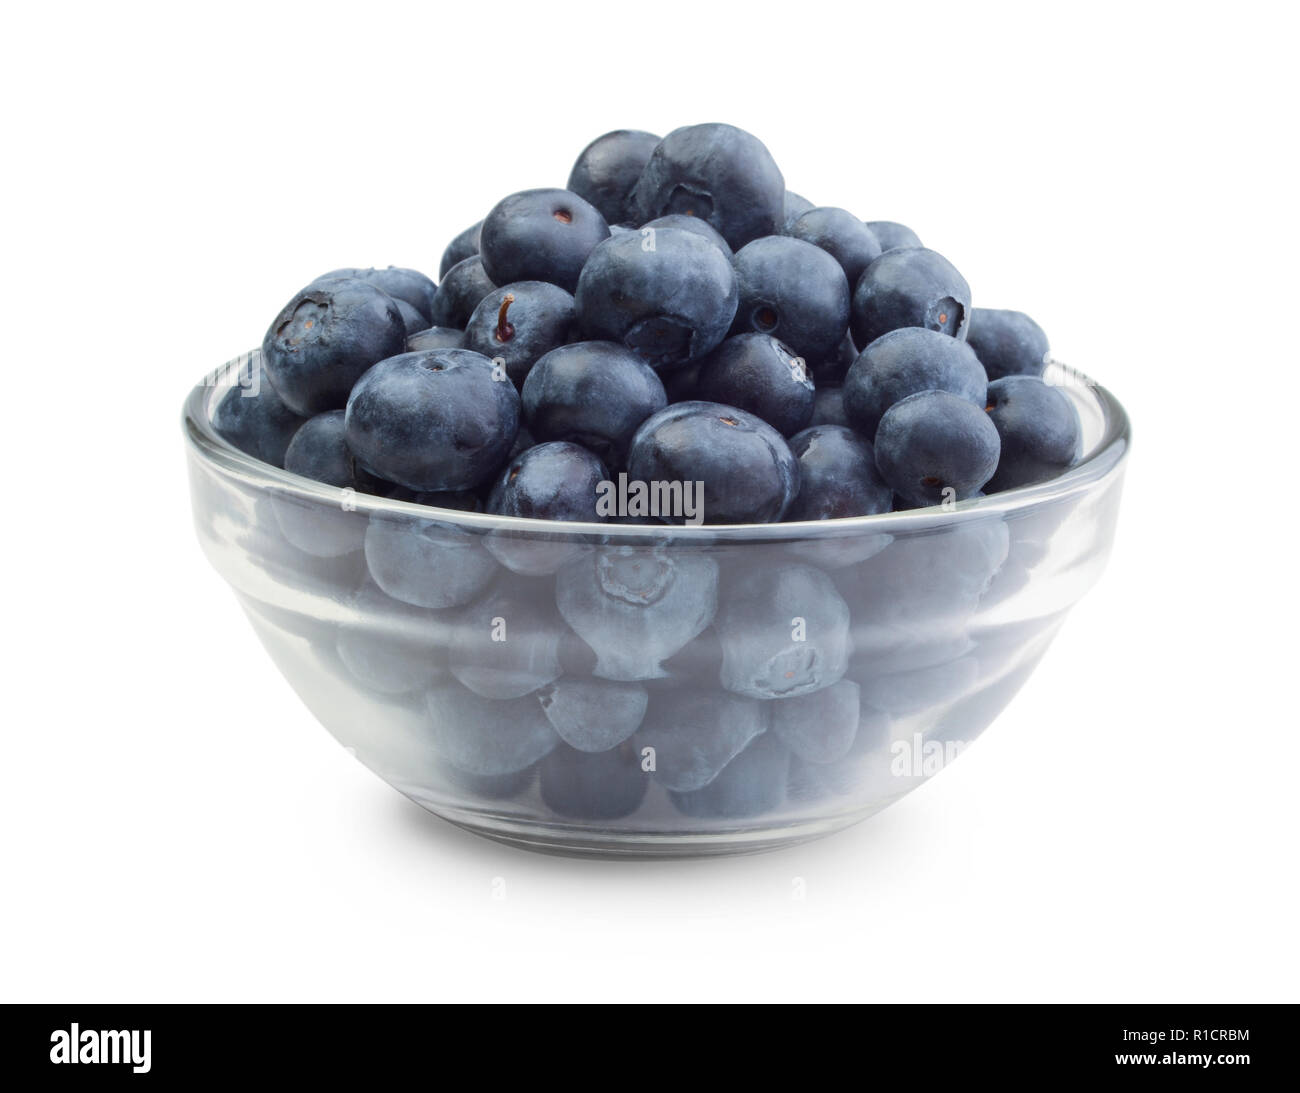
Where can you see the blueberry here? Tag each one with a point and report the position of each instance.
(461, 785)
(837, 476)
(910, 286)
(834, 368)
(679, 384)
(319, 451)
(753, 783)
(439, 420)
(484, 736)
(792, 208)
(757, 373)
(905, 362)
(325, 338)
(748, 472)
(583, 786)
(842, 235)
(412, 320)
(784, 631)
(407, 286)
(636, 606)
(523, 441)
(718, 173)
(520, 322)
(464, 285)
(892, 236)
(828, 407)
(851, 775)
(435, 337)
(388, 647)
(592, 393)
(935, 446)
(793, 291)
(819, 727)
(920, 591)
(901, 694)
(702, 228)
(670, 304)
(594, 715)
(427, 563)
(465, 245)
(695, 733)
(607, 169)
(506, 644)
(1039, 430)
(552, 481)
(256, 421)
(1008, 343)
(540, 235)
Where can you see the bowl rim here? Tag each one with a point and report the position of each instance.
(1101, 463)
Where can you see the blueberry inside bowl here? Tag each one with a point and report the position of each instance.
(637, 688)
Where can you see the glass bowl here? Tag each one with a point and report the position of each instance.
(653, 690)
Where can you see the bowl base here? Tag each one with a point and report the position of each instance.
(584, 842)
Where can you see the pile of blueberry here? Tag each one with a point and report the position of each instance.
(675, 315)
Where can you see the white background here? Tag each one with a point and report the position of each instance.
(173, 823)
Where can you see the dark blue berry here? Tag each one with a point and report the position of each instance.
(507, 643)
(1039, 430)
(464, 285)
(551, 481)
(540, 235)
(837, 476)
(319, 451)
(793, 291)
(387, 646)
(1008, 343)
(325, 338)
(819, 727)
(758, 373)
(718, 173)
(792, 208)
(407, 286)
(910, 286)
(637, 606)
(591, 393)
(747, 471)
(427, 563)
(842, 235)
(695, 733)
(752, 784)
(891, 236)
(256, 421)
(669, 298)
(435, 337)
(439, 420)
(828, 407)
(592, 714)
(934, 447)
(608, 168)
(702, 228)
(784, 631)
(485, 736)
(583, 786)
(905, 362)
(464, 245)
(520, 322)
(833, 369)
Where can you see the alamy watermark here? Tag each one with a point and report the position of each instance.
(242, 372)
(678, 500)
